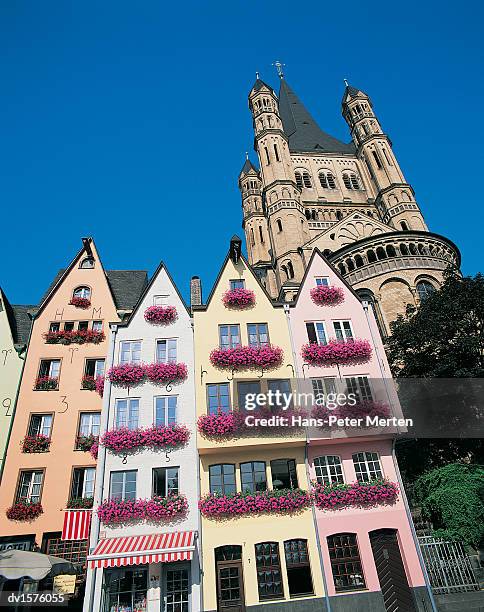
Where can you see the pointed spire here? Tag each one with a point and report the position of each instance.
(352, 92)
(303, 132)
(248, 167)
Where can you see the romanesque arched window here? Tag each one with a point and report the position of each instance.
(279, 225)
(326, 180)
(306, 180)
(82, 292)
(424, 289)
(299, 181)
(351, 181)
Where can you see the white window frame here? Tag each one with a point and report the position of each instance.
(34, 475)
(325, 331)
(370, 459)
(324, 281)
(165, 409)
(90, 418)
(160, 300)
(130, 345)
(167, 488)
(92, 480)
(123, 491)
(43, 418)
(129, 412)
(341, 321)
(83, 291)
(324, 385)
(168, 348)
(97, 325)
(324, 473)
(359, 384)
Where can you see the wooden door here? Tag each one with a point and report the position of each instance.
(391, 573)
(230, 586)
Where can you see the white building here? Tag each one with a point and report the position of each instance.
(143, 564)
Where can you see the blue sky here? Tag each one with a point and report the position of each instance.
(129, 121)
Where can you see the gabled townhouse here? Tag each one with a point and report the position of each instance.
(144, 540)
(258, 539)
(370, 559)
(15, 324)
(48, 469)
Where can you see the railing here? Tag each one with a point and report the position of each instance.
(448, 566)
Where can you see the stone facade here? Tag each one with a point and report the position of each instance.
(351, 201)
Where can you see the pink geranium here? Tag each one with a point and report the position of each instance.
(335, 496)
(238, 298)
(100, 385)
(35, 444)
(24, 511)
(244, 357)
(117, 511)
(80, 302)
(94, 450)
(127, 374)
(327, 296)
(74, 336)
(219, 425)
(363, 409)
(216, 505)
(124, 440)
(349, 352)
(160, 315)
(166, 372)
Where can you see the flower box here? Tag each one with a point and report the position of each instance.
(85, 443)
(24, 511)
(221, 425)
(80, 302)
(239, 298)
(75, 336)
(127, 374)
(359, 411)
(166, 372)
(327, 296)
(247, 357)
(35, 444)
(125, 440)
(335, 496)
(155, 509)
(216, 505)
(88, 382)
(337, 352)
(46, 383)
(228, 424)
(80, 503)
(160, 315)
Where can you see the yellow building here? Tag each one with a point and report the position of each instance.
(15, 326)
(251, 559)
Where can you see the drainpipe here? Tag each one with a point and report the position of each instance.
(287, 312)
(412, 529)
(101, 464)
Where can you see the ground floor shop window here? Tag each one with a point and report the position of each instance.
(177, 590)
(125, 590)
(345, 562)
(298, 569)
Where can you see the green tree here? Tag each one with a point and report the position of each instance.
(452, 498)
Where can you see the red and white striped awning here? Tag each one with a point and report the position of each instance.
(134, 550)
(77, 524)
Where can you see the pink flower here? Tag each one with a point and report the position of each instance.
(244, 357)
(74, 336)
(124, 440)
(166, 372)
(46, 383)
(80, 302)
(100, 385)
(215, 505)
(127, 374)
(349, 352)
(379, 491)
(327, 296)
(160, 315)
(218, 425)
(35, 444)
(24, 511)
(238, 298)
(115, 511)
(94, 450)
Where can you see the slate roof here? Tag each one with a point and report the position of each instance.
(21, 323)
(302, 130)
(247, 167)
(353, 92)
(259, 84)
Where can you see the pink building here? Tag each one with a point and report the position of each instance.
(367, 548)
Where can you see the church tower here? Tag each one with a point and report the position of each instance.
(349, 200)
(395, 197)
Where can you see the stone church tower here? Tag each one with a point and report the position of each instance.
(351, 201)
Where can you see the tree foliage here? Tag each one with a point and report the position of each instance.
(452, 498)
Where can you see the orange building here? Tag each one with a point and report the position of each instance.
(49, 467)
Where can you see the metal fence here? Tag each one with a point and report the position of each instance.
(448, 565)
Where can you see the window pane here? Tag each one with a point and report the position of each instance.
(328, 469)
(121, 413)
(284, 474)
(345, 562)
(243, 388)
(218, 397)
(367, 466)
(321, 334)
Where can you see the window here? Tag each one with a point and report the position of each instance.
(30, 486)
(97, 326)
(237, 283)
(377, 159)
(54, 327)
(130, 351)
(367, 466)
(345, 562)
(404, 227)
(83, 325)
(89, 423)
(306, 180)
(177, 598)
(68, 325)
(284, 474)
(123, 485)
(279, 225)
(222, 478)
(328, 469)
(290, 270)
(229, 336)
(165, 481)
(343, 330)
(50, 367)
(87, 263)
(316, 333)
(127, 412)
(389, 161)
(253, 476)
(160, 300)
(260, 235)
(360, 386)
(299, 181)
(322, 281)
(83, 482)
(244, 388)
(82, 292)
(326, 180)
(165, 410)
(126, 589)
(276, 152)
(298, 570)
(268, 159)
(166, 351)
(94, 367)
(40, 424)
(268, 565)
(258, 334)
(284, 387)
(218, 398)
(424, 289)
(323, 386)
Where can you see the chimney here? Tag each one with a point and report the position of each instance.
(195, 291)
